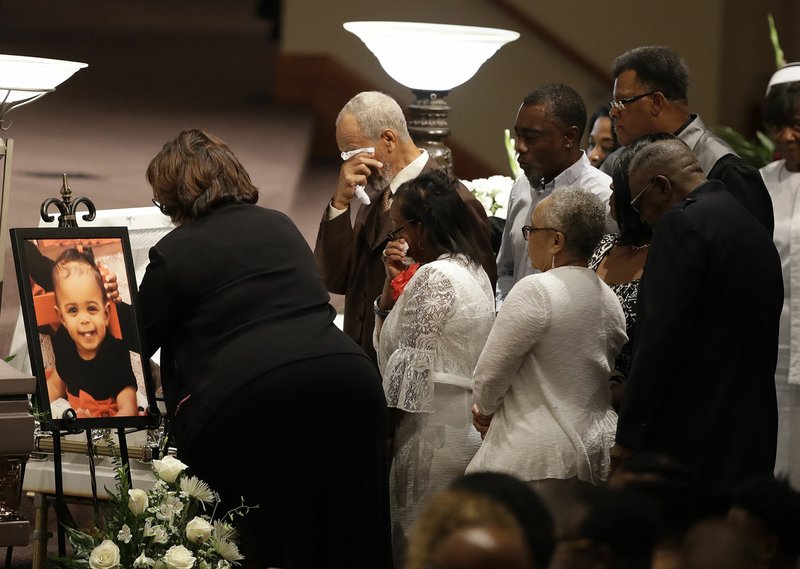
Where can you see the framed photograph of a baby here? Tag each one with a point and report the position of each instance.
(78, 297)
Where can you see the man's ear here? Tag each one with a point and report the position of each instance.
(658, 103)
(571, 137)
(389, 138)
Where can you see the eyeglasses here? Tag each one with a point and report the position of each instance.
(394, 234)
(160, 206)
(619, 104)
(528, 229)
(634, 205)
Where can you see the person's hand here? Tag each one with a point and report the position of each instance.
(393, 258)
(109, 282)
(354, 172)
(82, 413)
(480, 421)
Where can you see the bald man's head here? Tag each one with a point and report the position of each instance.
(663, 171)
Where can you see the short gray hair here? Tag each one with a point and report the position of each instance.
(578, 214)
(375, 112)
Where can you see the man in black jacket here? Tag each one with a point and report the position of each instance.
(701, 387)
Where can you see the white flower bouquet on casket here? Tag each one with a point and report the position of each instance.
(165, 528)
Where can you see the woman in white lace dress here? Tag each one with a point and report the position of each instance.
(428, 343)
(541, 384)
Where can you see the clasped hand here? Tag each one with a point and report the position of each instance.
(394, 256)
(480, 421)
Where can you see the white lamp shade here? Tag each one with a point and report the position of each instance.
(24, 77)
(430, 57)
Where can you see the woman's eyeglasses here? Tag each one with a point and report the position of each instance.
(159, 206)
(395, 234)
(528, 229)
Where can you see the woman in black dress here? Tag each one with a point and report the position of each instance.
(269, 401)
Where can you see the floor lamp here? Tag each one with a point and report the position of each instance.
(22, 81)
(431, 60)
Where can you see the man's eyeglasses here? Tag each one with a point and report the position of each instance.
(634, 201)
(528, 229)
(161, 207)
(395, 233)
(619, 104)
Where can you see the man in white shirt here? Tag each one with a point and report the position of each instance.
(349, 255)
(549, 126)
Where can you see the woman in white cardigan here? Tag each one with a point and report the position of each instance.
(541, 390)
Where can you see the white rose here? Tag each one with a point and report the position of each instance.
(169, 468)
(138, 501)
(178, 557)
(104, 556)
(198, 529)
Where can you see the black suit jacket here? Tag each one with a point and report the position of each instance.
(702, 385)
(349, 257)
(227, 298)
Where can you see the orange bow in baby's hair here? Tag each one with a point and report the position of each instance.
(94, 407)
(400, 281)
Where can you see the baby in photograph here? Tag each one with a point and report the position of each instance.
(93, 369)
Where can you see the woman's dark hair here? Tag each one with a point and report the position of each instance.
(518, 498)
(433, 200)
(196, 172)
(782, 104)
(632, 230)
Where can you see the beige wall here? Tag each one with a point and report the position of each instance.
(720, 39)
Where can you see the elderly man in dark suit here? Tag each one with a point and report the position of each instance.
(349, 255)
(701, 387)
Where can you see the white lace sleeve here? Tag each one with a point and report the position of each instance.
(408, 377)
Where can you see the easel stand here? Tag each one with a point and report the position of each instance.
(61, 512)
(67, 218)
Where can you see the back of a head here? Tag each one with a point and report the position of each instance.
(667, 483)
(624, 521)
(658, 67)
(776, 506)
(716, 544)
(527, 508)
(375, 112)
(663, 152)
(196, 172)
(433, 200)
(561, 102)
(579, 215)
(448, 511)
(482, 546)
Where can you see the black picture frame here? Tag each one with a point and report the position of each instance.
(35, 252)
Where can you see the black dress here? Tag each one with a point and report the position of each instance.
(627, 293)
(270, 401)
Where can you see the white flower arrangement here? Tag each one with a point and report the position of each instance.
(164, 528)
(492, 192)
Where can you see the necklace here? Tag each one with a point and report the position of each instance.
(639, 247)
